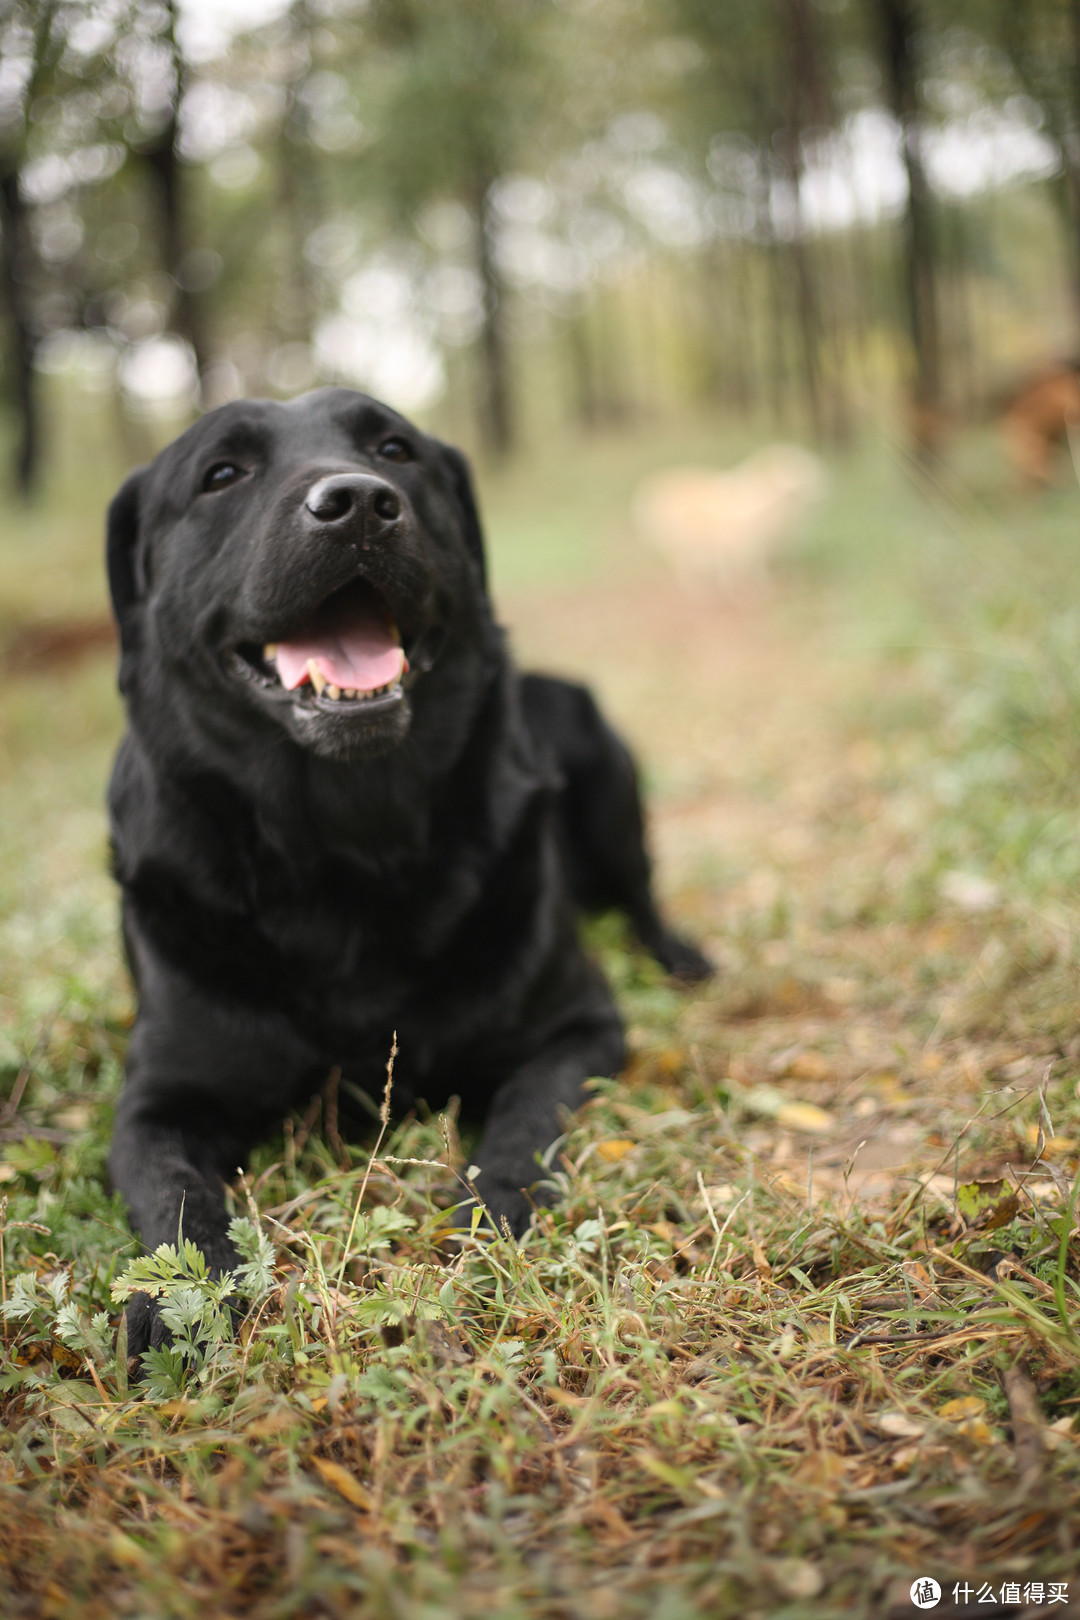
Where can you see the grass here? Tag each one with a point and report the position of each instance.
(804, 1320)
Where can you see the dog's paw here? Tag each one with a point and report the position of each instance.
(145, 1329)
(683, 960)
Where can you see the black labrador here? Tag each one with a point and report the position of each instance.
(339, 812)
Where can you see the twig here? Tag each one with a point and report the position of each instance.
(1026, 1422)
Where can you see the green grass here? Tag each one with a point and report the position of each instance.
(716, 1378)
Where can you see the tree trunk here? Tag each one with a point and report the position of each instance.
(1067, 148)
(15, 251)
(897, 28)
(495, 406)
(163, 161)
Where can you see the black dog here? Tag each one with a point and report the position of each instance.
(340, 812)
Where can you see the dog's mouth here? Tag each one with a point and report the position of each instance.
(346, 655)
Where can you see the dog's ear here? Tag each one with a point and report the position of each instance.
(126, 583)
(461, 482)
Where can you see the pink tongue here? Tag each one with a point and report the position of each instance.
(361, 657)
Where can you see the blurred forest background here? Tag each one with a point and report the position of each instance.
(510, 215)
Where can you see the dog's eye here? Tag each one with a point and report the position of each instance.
(395, 449)
(221, 475)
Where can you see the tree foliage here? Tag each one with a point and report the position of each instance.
(414, 195)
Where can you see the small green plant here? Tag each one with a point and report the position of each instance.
(196, 1307)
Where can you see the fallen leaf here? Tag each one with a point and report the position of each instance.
(615, 1148)
(178, 1407)
(986, 1204)
(963, 1406)
(811, 1066)
(976, 1430)
(346, 1484)
(789, 1112)
(804, 1116)
(898, 1426)
(1054, 1147)
(919, 1278)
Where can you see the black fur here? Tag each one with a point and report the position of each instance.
(299, 882)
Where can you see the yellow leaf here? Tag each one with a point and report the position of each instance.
(964, 1406)
(615, 1148)
(809, 1066)
(180, 1407)
(1054, 1147)
(346, 1484)
(804, 1116)
(978, 1431)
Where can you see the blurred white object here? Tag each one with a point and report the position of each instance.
(722, 527)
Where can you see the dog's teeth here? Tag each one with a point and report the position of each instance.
(270, 651)
(350, 691)
(333, 692)
(318, 679)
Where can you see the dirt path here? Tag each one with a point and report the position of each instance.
(850, 1025)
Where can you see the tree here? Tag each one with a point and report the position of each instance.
(153, 30)
(897, 25)
(31, 41)
(456, 90)
(1041, 42)
(765, 81)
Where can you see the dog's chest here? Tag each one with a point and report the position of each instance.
(354, 954)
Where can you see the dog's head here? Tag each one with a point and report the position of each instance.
(305, 564)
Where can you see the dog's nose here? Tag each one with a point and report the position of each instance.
(356, 496)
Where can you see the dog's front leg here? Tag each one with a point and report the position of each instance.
(172, 1172)
(204, 1083)
(528, 1112)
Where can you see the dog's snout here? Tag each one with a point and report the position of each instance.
(355, 496)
